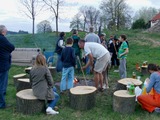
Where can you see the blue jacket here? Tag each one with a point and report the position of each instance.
(5, 53)
(68, 57)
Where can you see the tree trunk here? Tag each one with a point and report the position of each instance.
(27, 103)
(123, 102)
(82, 97)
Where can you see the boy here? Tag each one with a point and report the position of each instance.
(68, 62)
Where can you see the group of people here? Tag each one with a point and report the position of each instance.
(98, 59)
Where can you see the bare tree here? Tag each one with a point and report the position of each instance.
(76, 23)
(83, 11)
(54, 5)
(31, 7)
(90, 15)
(116, 12)
(44, 27)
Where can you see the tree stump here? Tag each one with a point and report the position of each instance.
(52, 70)
(121, 85)
(27, 103)
(23, 83)
(123, 102)
(27, 70)
(82, 97)
(144, 70)
(15, 77)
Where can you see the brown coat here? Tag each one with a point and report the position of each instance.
(42, 83)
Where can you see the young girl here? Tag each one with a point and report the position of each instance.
(68, 61)
(42, 84)
(151, 102)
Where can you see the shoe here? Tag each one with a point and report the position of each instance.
(116, 71)
(50, 111)
(104, 86)
(157, 110)
(7, 106)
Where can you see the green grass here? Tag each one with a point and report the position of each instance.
(142, 48)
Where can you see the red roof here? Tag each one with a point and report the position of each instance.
(157, 17)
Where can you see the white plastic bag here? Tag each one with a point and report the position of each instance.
(137, 91)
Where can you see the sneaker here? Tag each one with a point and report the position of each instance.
(116, 71)
(50, 111)
(157, 110)
(104, 86)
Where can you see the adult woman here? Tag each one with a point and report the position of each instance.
(151, 102)
(42, 84)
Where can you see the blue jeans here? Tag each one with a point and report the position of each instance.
(59, 64)
(53, 103)
(88, 68)
(3, 88)
(67, 83)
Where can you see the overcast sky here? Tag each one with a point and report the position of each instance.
(14, 20)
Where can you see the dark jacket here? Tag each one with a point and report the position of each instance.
(58, 49)
(68, 57)
(5, 53)
(42, 83)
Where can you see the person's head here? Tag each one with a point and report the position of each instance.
(123, 37)
(102, 36)
(62, 34)
(115, 39)
(40, 60)
(152, 68)
(91, 29)
(75, 32)
(69, 41)
(3, 30)
(81, 43)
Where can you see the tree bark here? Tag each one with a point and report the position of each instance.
(123, 102)
(28, 104)
(82, 97)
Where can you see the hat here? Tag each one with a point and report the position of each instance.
(115, 38)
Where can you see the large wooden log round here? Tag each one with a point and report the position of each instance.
(82, 97)
(121, 85)
(23, 83)
(123, 102)
(27, 103)
(15, 77)
(52, 70)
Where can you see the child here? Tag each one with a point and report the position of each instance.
(68, 61)
(42, 84)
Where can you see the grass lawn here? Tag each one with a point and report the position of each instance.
(143, 47)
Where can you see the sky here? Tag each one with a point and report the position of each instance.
(13, 18)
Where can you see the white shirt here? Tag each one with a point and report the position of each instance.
(96, 49)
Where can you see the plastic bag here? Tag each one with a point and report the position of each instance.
(137, 91)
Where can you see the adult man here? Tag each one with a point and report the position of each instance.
(122, 55)
(101, 54)
(5, 62)
(92, 37)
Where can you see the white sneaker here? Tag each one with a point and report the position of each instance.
(50, 111)
(104, 86)
(116, 71)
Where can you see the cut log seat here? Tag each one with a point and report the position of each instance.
(27, 103)
(123, 102)
(23, 83)
(82, 97)
(121, 85)
(15, 77)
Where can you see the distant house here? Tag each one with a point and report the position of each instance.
(155, 19)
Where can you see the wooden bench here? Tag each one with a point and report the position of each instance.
(24, 56)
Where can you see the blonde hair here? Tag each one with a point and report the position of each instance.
(40, 60)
